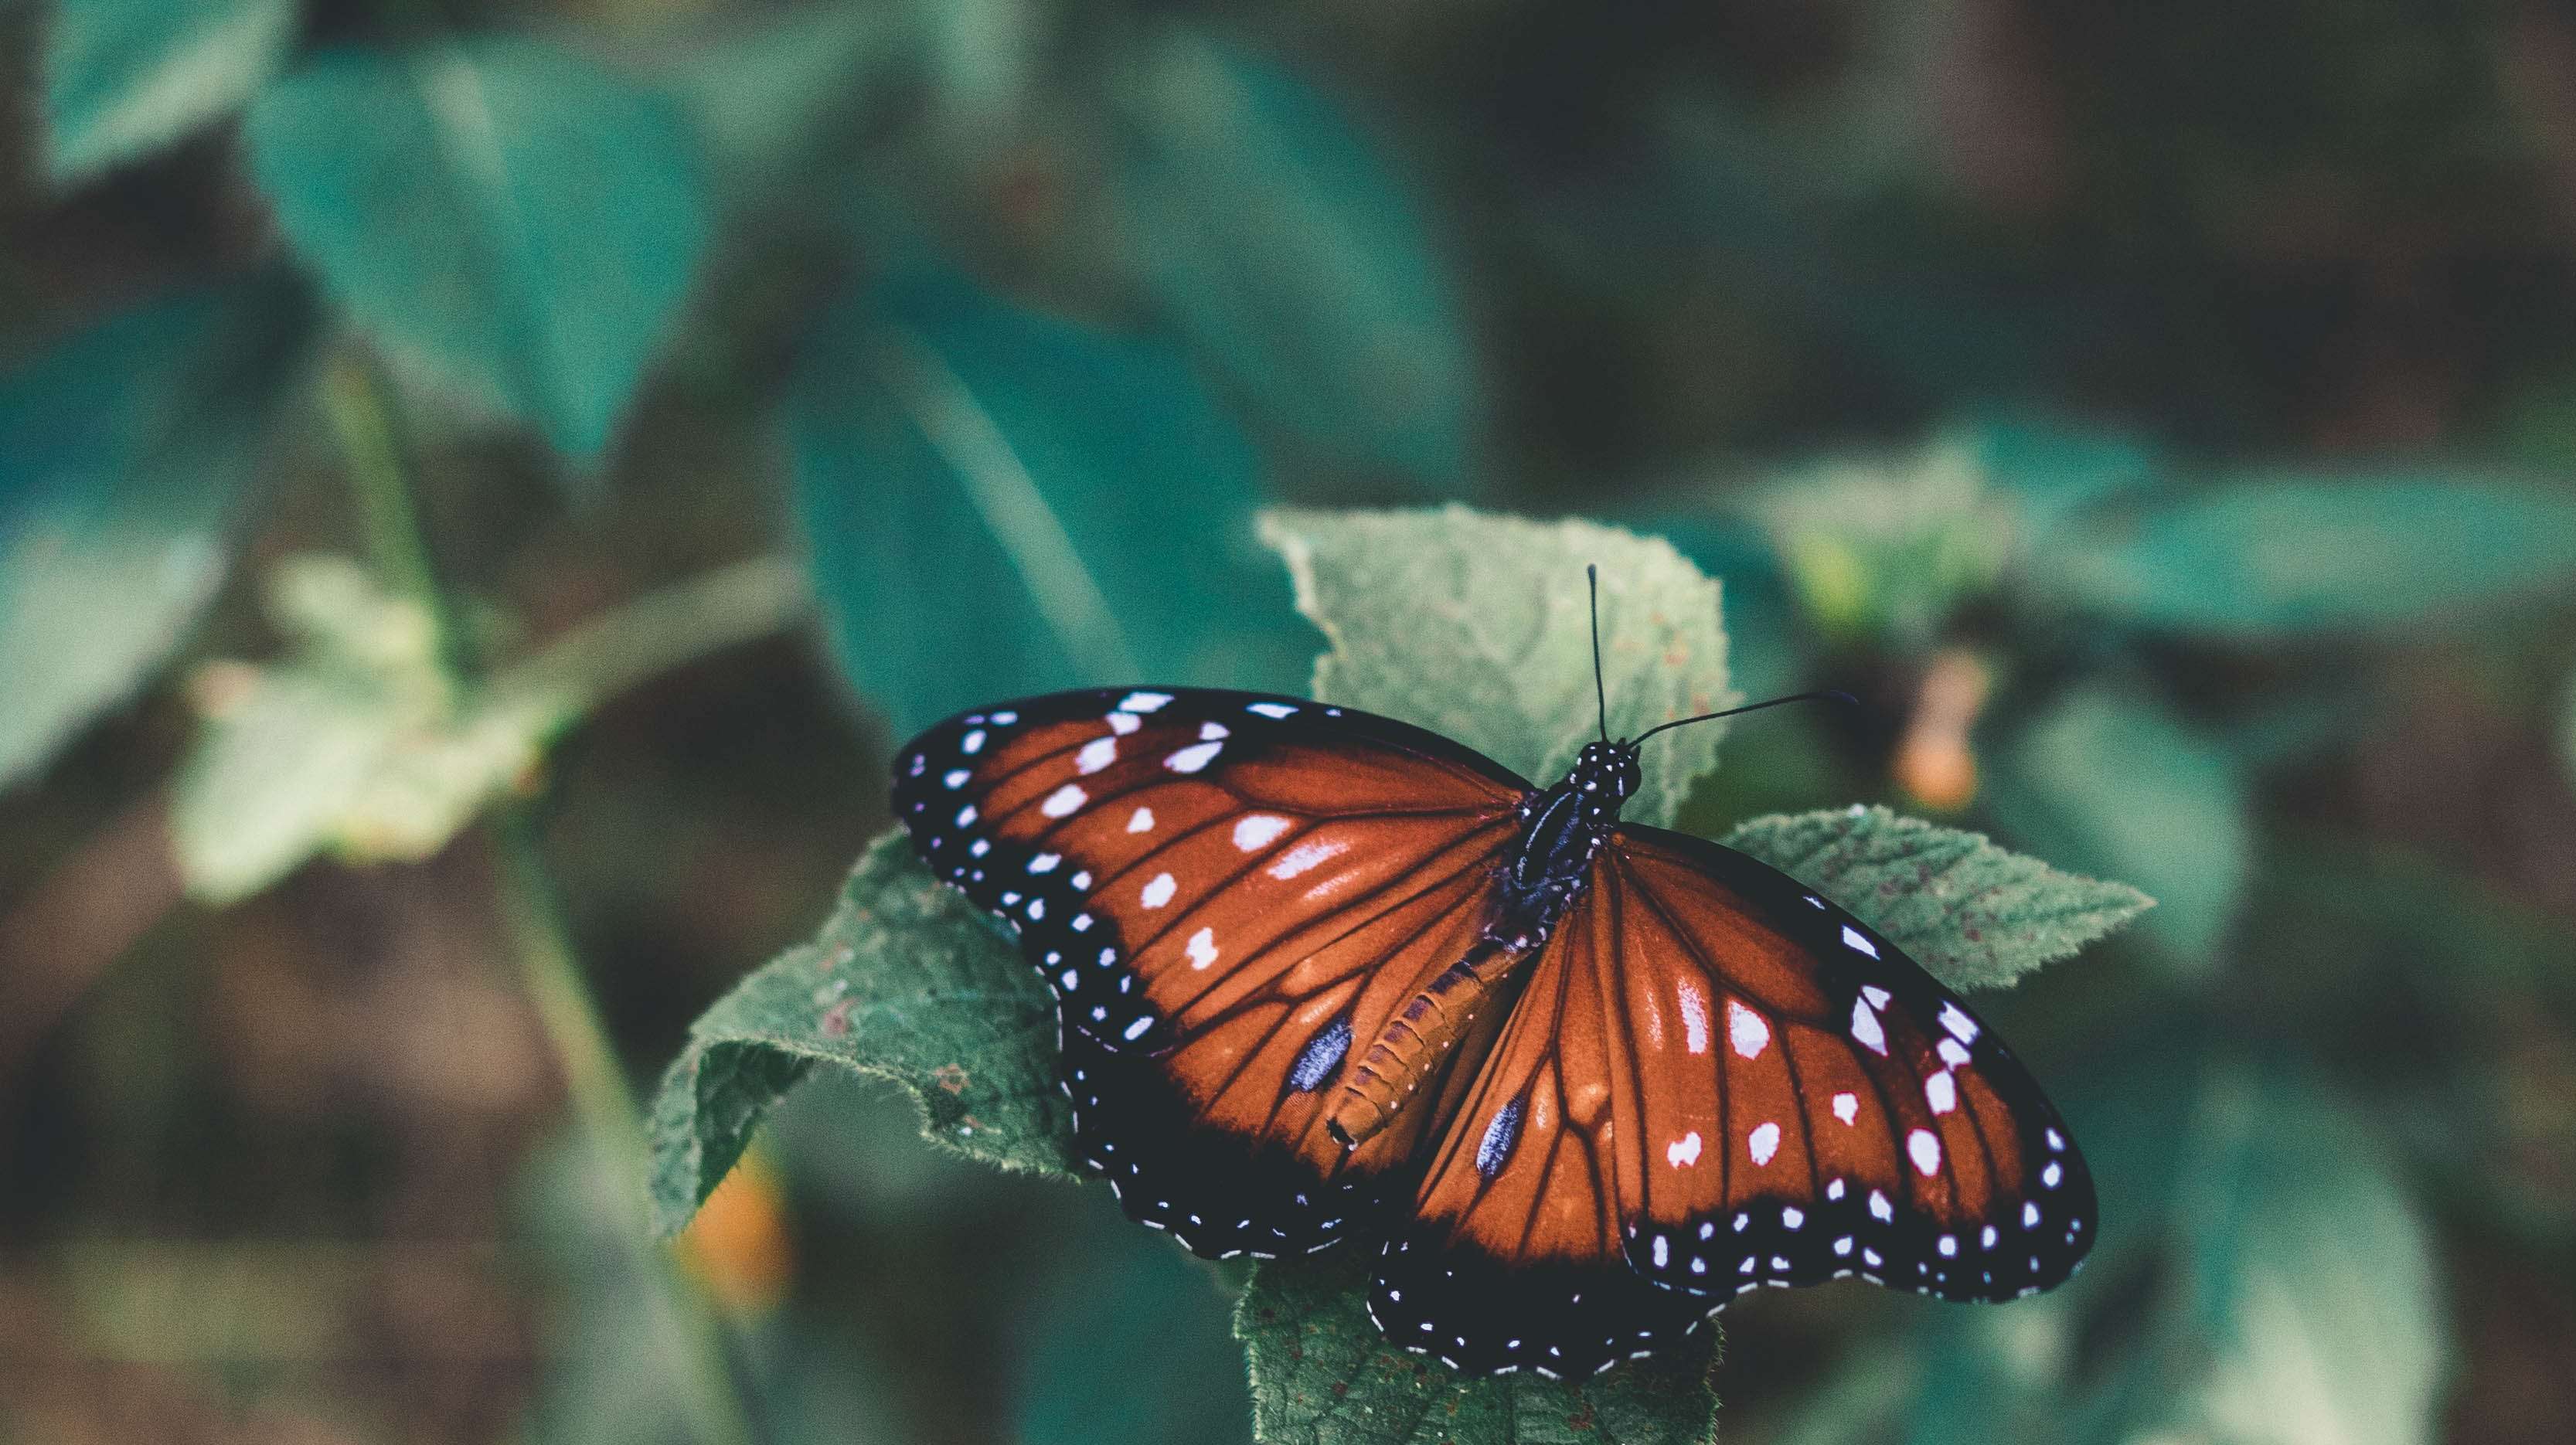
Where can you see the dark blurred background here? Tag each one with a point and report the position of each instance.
(483, 485)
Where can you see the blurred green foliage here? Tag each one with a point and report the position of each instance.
(2160, 419)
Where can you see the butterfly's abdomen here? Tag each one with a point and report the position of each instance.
(1408, 1052)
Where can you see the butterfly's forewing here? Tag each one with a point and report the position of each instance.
(1716, 1079)
(1229, 893)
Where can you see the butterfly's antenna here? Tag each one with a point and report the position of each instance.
(1828, 694)
(1600, 693)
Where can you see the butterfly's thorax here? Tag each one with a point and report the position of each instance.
(1542, 874)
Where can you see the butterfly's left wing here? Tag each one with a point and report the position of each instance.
(1717, 1079)
(1229, 893)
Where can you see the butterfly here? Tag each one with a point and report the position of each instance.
(1324, 976)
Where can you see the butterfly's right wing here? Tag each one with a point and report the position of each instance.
(1229, 893)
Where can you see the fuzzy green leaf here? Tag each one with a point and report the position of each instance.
(906, 982)
(505, 216)
(124, 458)
(1276, 239)
(1493, 608)
(1974, 915)
(2268, 557)
(125, 77)
(1322, 1374)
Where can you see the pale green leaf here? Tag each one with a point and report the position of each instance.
(508, 218)
(2108, 781)
(359, 745)
(905, 982)
(1475, 626)
(124, 458)
(1974, 915)
(1278, 241)
(2269, 557)
(126, 77)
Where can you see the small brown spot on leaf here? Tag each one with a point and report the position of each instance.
(836, 1019)
(949, 1077)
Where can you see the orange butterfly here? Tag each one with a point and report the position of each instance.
(1324, 975)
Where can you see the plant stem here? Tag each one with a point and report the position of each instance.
(606, 1109)
(734, 603)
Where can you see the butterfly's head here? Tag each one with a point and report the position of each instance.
(1608, 771)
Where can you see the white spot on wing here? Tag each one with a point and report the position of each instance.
(1141, 821)
(1212, 731)
(1865, 1027)
(1746, 1030)
(1064, 800)
(972, 743)
(1763, 1142)
(1958, 1023)
(1939, 1093)
(1925, 1149)
(1095, 755)
(1143, 701)
(1123, 723)
(1846, 1107)
(1160, 891)
(1951, 1054)
(1684, 1150)
(1858, 943)
(1306, 855)
(1202, 948)
(1194, 757)
(1272, 709)
(1881, 1210)
(1258, 831)
(1137, 1029)
(1694, 1018)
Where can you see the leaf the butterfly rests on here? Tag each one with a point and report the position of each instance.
(1320, 973)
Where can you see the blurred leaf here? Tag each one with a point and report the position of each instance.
(906, 982)
(1128, 1343)
(361, 745)
(1973, 914)
(124, 457)
(774, 92)
(2269, 557)
(504, 215)
(2109, 782)
(2307, 1283)
(2058, 467)
(1068, 499)
(1276, 236)
(1475, 626)
(1323, 1374)
(125, 77)
(1880, 552)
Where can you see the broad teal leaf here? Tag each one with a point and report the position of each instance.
(126, 77)
(125, 455)
(2284, 557)
(1001, 503)
(2108, 781)
(510, 218)
(1475, 626)
(1284, 244)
